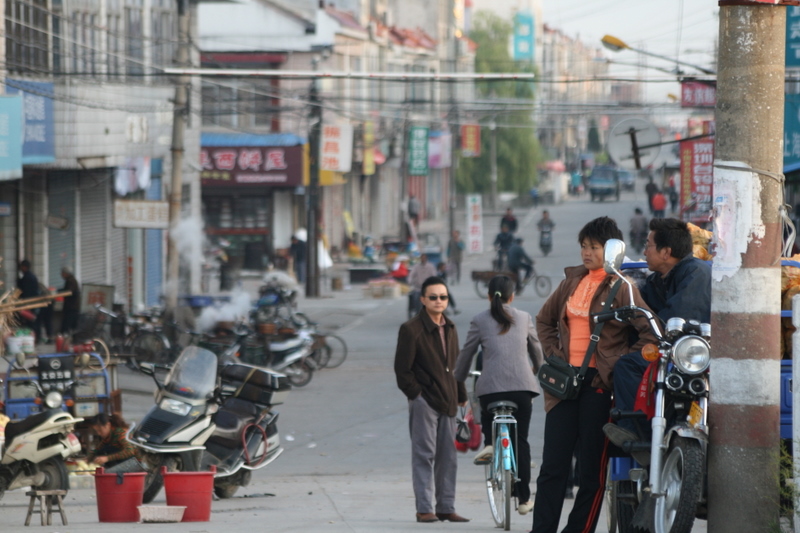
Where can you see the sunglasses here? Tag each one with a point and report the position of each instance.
(442, 297)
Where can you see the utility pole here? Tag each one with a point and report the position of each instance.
(312, 246)
(180, 110)
(744, 413)
(454, 128)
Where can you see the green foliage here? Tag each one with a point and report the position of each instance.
(518, 150)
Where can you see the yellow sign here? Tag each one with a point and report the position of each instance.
(369, 149)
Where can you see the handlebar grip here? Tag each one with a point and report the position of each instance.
(605, 316)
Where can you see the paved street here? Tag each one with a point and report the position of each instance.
(346, 467)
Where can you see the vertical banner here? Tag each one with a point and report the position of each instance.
(792, 36)
(474, 224)
(440, 149)
(418, 151)
(523, 37)
(336, 150)
(697, 180)
(38, 142)
(10, 137)
(470, 140)
(791, 129)
(368, 168)
(698, 94)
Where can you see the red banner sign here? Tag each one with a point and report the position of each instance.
(252, 165)
(470, 140)
(697, 180)
(698, 94)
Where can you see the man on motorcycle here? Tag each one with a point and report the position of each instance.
(546, 226)
(502, 243)
(680, 286)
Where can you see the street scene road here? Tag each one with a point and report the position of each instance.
(346, 465)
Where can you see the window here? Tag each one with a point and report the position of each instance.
(134, 46)
(164, 32)
(27, 45)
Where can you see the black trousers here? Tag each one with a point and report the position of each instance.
(522, 449)
(572, 422)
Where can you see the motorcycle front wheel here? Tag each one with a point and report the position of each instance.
(153, 481)
(543, 286)
(300, 373)
(682, 483)
(55, 473)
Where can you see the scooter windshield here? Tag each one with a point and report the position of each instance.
(194, 375)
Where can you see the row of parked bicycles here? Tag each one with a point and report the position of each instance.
(274, 335)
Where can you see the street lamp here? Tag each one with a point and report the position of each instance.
(615, 45)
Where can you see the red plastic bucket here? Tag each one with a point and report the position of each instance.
(118, 495)
(190, 489)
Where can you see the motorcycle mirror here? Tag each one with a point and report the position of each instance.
(20, 360)
(614, 254)
(147, 368)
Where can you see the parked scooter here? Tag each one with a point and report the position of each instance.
(203, 417)
(35, 448)
(666, 495)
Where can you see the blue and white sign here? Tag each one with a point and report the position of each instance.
(791, 130)
(39, 141)
(10, 137)
(523, 37)
(792, 36)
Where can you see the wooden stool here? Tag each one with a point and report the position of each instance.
(46, 500)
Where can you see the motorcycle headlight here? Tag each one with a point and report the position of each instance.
(691, 355)
(53, 400)
(174, 406)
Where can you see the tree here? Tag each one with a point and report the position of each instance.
(518, 150)
(593, 141)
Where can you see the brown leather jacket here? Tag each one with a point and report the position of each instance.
(421, 367)
(551, 323)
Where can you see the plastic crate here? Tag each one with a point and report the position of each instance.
(161, 513)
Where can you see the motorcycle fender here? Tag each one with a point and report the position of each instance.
(687, 432)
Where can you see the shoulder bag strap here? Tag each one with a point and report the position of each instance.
(597, 328)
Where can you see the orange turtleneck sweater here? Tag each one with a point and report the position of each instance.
(578, 317)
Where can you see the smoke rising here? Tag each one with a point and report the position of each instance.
(236, 310)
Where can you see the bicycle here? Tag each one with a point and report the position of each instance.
(501, 471)
(541, 283)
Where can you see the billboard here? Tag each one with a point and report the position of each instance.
(418, 151)
(336, 147)
(698, 94)
(252, 165)
(10, 137)
(523, 37)
(470, 140)
(697, 180)
(39, 141)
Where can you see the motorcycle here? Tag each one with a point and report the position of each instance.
(37, 446)
(668, 494)
(546, 241)
(207, 413)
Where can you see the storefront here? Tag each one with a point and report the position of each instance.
(246, 182)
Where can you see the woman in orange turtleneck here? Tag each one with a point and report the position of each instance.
(564, 328)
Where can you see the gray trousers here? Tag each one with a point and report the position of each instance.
(433, 457)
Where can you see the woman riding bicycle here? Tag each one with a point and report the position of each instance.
(510, 344)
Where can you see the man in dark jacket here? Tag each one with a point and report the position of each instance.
(680, 286)
(28, 284)
(518, 260)
(427, 348)
(72, 304)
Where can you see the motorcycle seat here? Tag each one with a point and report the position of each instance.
(230, 421)
(16, 428)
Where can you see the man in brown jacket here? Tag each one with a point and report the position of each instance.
(427, 348)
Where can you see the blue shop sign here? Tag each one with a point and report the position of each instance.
(10, 137)
(791, 130)
(523, 37)
(39, 142)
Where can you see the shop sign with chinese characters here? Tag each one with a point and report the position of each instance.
(698, 94)
(470, 140)
(141, 214)
(336, 150)
(474, 224)
(252, 165)
(697, 180)
(418, 151)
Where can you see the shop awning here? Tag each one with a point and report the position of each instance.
(250, 139)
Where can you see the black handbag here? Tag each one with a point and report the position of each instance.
(559, 378)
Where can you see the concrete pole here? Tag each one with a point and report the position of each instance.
(312, 246)
(744, 415)
(180, 110)
(493, 127)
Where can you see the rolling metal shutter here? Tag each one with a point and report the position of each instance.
(95, 195)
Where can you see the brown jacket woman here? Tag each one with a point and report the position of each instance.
(551, 323)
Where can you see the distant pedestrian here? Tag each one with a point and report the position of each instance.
(509, 221)
(298, 252)
(413, 210)
(638, 230)
(28, 285)
(651, 189)
(420, 272)
(673, 199)
(659, 204)
(72, 303)
(455, 254)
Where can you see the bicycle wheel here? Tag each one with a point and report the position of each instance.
(321, 353)
(101, 348)
(481, 288)
(148, 347)
(543, 286)
(498, 488)
(336, 349)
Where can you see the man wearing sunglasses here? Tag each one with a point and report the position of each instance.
(427, 348)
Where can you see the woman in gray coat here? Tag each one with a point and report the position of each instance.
(510, 344)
